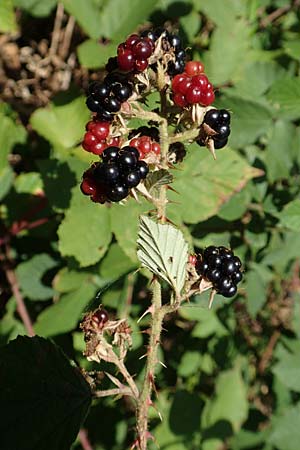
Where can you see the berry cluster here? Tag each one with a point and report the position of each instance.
(192, 86)
(133, 54)
(96, 138)
(222, 268)
(169, 42)
(112, 179)
(219, 121)
(106, 98)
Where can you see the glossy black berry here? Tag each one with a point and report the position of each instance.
(214, 261)
(122, 92)
(237, 262)
(103, 115)
(101, 92)
(224, 116)
(211, 117)
(175, 42)
(134, 151)
(111, 173)
(202, 267)
(228, 267)
(229, 291)
(117, 193)
(237, 277)
(132, 179)
(225, 252)
(150, 34)
(220, 144)
(214, 275)
(223, 132)
(112, 104)
(110, 154)
(127, 159)
(211, 250)
(142, 168)
(93, 105)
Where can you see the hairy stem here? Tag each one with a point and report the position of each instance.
(144, 402)
(158, 311)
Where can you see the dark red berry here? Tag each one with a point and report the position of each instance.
(142, 49)
(126, 60)
(141, 65)
(99, 318)
(88, 186)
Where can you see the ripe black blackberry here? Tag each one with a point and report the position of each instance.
(106, 98)
(169, 42)
(222, 268)
(219, 121)
(112, 179)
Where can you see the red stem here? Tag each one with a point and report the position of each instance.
(21, 307)
(84, 440)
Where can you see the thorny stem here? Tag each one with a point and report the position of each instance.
(109, 392)
(144, 402)
(158, 311)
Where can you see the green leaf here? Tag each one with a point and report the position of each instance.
(62, 125)
(44, 397)
(290, 215)
(286, 430)
(29, 183)
(285, 95)
(261, 74)
(279, 152)
(292, 48)
(208, 185)
(124, 224)
(7, 17)
(36, 8)
(85, 231)
(10, 134)
(120, 18)
(233, 57)
(87, 14)
(225, 16)
(69, 280)
(163, 250)
(190, 363)
(92, 54)
(230, 402)
(288, 370)
(29, 274)
(250, 120)
(256, 291)
(185, 413)
(63, 316)
(157, 179)
(6, 180)
(116, 263)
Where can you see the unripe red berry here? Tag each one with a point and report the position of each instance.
(194, 68)
(179, 100)
(126, 60)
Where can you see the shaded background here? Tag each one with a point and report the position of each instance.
(232, 377)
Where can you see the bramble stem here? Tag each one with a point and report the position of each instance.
(158, 311)
(144, 402)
